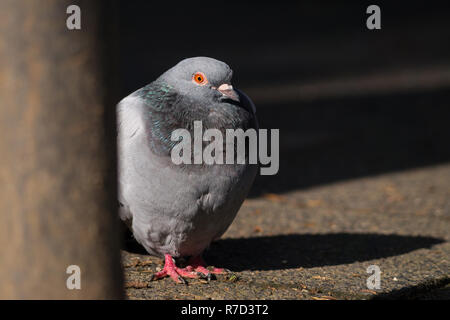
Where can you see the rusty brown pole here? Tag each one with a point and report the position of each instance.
(57, 154)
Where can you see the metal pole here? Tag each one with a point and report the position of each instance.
(57, 154)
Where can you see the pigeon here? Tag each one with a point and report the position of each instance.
(173, 210)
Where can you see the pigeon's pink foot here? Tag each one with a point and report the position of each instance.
(171, 270)
(196, 268)
(198, 265)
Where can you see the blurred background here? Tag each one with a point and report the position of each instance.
(348, 101)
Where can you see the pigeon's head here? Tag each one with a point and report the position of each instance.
(202, 79)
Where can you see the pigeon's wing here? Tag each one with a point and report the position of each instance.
(142, 112)
(129, 120)
(140, 140)
(129, 127)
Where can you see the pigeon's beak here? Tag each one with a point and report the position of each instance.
(227, 91)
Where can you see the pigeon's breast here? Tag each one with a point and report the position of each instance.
(181, 212)
(223, 191)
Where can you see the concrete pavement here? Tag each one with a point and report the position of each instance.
(317, 243)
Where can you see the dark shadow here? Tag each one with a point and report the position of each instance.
(302, 250)
(283, 42)
(308, 250)
(326, 141)
(129, 243)
(305, 42)
(435, 289)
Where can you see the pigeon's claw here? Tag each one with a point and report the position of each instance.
(196, 269)
(171, 270)
(198, 265)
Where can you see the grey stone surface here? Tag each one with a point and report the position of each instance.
(317, 243)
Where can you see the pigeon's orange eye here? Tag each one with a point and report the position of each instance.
(199, 78)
